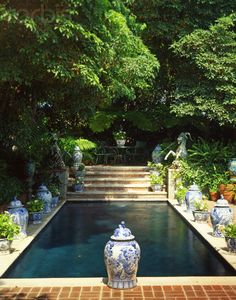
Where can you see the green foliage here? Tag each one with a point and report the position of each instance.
(200, 205)
(230, 231)
(68, 143)
(210, 89)
(9, 186)
(35, 205)
(180, 192)
(53, 188)
(211, 152)
(101, 121)
(119, 135)
(156, 179)
(8, 229)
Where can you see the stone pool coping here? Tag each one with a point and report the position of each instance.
(203, 229)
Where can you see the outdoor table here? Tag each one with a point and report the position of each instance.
(122, 152)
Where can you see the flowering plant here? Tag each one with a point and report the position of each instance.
(201, 205)
(8, 229)
(119, 135)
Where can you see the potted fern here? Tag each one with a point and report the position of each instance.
(200, 212)
(230, 237)
(8, 230)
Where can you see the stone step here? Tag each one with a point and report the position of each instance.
(117, 168)
(116, 174)
(117, 180)
(121, 188)
(116, 195)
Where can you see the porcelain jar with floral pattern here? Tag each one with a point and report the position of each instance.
(156, 154)
(20, 216)
(221, 215)
(44, 194)
(191, 196)
(121, 255)
(232, 169)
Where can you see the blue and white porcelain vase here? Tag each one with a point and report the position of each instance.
(221, 215)
(20, 216)
(121, 255)
(191, 196)
(44, 194)
(232, 170)
(156, 154)
(77, 157)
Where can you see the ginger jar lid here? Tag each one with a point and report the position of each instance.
(194, 187)
(42, 188)
(222, 202)
(15, 203)
(122, 233)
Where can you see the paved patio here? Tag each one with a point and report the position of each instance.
(180, 292)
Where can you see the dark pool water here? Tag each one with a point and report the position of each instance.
(73, 242)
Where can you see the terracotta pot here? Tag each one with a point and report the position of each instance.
(222, 188)
(229, 196)
(214, 195)
(229, 187)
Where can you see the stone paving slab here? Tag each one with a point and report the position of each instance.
(180, 292)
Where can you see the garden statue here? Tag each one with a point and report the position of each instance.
(181, 151)
(56, 156)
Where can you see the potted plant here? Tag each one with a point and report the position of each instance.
(81, 170)
(53, 188)
(156, 182)
(156, 169)
(35, 208)
(79, 184)
(8, 230)
(120, 137)
(230, 237)
(180, 193)
(200, 212)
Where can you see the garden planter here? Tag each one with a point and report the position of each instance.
(5, 246)
(231, 244)
(214, 196)
(55, 200)
(120, 142)
(156, 187)
(78, 187)
(201, 216)
(229, 196)
(36, 217)
(121, 255)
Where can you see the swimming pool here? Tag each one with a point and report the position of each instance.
(72, 244)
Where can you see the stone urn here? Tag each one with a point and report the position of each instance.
(20, 216)
(121, 255)
(44, 194)
(191, 196)
(156, 154)
(221, 215)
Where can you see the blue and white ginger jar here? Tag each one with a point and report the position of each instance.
(121, 255)
(44, 194)
(221, 216)
(77, 157)
(191, 196)
(156, 154)
(232, 169)
(20, 216)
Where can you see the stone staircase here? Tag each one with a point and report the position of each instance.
(116, 183)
